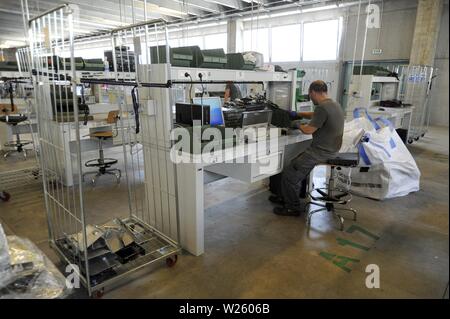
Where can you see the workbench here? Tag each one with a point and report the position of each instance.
(190, 180)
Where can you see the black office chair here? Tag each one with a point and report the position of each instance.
(18, 144)
(331, 198)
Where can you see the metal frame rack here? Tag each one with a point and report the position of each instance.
(415, 88)
(151, 217)
(24, 174)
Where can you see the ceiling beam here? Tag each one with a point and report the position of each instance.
(205, 5)
(234, 4)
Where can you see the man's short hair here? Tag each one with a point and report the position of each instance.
(318, 86)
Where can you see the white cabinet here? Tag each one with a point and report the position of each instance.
(248, 170)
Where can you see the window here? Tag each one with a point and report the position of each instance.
(286, 43)
(174, 43)
(96, 53)
(195, 41)
(320, 40)
(216, 41)
(257, 40)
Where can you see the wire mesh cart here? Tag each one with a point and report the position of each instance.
(107, 231)
(415, 89)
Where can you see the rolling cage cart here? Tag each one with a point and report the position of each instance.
(414, 89)
(109, 231)
(15, 175)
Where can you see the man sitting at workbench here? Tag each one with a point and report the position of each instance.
(326, 126)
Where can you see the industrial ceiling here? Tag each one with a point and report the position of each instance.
(103, 15)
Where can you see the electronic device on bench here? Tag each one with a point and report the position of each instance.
(215, 109)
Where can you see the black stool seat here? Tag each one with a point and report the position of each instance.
(344, 160)
(332, 198)
(338, 197)
(106, 162)
(13, 119)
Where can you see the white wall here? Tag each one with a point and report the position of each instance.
(439, 101)
(395, 35)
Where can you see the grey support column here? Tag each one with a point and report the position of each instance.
(234, 35)
(426, 32)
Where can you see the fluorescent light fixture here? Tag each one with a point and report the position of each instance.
(11, 44)
(296, 11)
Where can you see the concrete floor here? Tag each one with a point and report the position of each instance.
(252, 253)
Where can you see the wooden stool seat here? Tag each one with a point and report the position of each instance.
(104, 134)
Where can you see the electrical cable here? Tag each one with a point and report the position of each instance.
(200, 76)
(135, 98)
(363, 49)
(85, 107)
(356, 37)
(190, 87)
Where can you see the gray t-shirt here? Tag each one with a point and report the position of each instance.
(328, 118)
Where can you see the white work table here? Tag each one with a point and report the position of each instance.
(190, 182)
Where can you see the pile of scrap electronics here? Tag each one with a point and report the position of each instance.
(25, 272)
(109, 248)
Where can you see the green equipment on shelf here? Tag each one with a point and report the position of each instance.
(236, 61)
(93, 65)
(372, 70)
(299, 96)
(182, 56)
(79, 63)
(214, 59)
(9, 66)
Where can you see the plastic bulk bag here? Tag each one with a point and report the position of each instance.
(386, 169)
(30, 274)
(4, 251)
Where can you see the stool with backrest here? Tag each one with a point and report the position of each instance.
(17, 145)
(331, 198)
(103, 164)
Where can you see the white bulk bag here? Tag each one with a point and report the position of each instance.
(386, 168)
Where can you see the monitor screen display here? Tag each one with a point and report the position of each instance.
(215, 107)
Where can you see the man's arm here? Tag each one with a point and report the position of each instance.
(296, 115)
(307, 115)
(307, 129)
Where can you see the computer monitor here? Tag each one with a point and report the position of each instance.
(215, 108)
(187, 113)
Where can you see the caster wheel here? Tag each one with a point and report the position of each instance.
(98, 294)
(5, 196)
(423, 134)
(416, 139)
(171, 261)
(410, 141)
(341, 221)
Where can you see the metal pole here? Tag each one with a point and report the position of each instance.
(78, 147)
